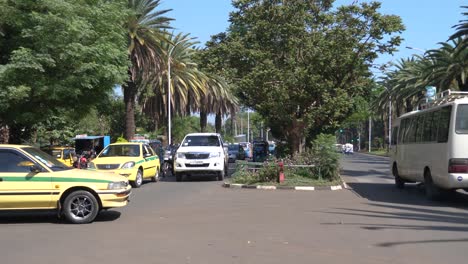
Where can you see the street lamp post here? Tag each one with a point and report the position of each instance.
(248, 125)
(169, 86)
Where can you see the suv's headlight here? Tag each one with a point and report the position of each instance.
(117, 185)
(181, 155)
(128, 165)
(215, 154)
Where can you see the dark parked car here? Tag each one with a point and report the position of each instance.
(236, 152)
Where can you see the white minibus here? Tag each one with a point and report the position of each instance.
(431, 145)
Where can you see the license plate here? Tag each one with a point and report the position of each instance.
(196, 162)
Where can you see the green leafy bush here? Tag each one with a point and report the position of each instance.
(325, 156)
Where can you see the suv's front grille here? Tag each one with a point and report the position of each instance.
(197, 165)
(107, 166)
(197, 155)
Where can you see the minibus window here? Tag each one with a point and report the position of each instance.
(444, 124)
(461, 125)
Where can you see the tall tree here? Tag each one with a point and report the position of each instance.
(146, 31)
(299, 63)
(56, 56)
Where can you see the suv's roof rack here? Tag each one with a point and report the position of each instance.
(441, 98)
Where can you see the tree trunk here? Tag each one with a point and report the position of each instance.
(463, 86)
(18, 134)
(129, 91)
(4, 134)
(297, 136)
(233, 118)
(218, 122)
(203, 121)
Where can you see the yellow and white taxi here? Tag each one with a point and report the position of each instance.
(32, 179)
(135, 161)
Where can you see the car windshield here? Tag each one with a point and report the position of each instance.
(121, 151)
(201, 141)
(233, 147)
(46, 159)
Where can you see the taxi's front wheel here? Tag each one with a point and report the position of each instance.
(138, 179)
(80, 207)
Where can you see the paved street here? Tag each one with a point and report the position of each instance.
(200, 222)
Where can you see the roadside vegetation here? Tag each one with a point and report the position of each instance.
(320, 167)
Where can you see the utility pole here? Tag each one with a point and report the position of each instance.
(370, 133)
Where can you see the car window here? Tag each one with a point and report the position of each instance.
(146, 150)
(56, 153)
(233, 147)
(46, 160)
(121, 151)
(11, 161)
(201, 141)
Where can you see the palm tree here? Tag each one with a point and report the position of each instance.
(146, 32)
(462, 30)
(219, 101)
(450, 68)
(187, 82)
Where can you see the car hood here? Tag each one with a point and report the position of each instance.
(93, 174)
(199, 149)
(115, 160)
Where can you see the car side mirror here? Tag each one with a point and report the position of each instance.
(148, 155)
(35, 168)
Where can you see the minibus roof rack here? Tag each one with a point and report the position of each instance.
(441, 98)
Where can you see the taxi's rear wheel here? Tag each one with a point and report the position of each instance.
(155, 178)
(138, 180)
(80, 207)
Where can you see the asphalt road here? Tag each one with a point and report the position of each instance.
(200, 222)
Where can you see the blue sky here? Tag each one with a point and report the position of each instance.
(427, 22)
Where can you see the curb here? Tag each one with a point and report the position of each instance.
(295, 188)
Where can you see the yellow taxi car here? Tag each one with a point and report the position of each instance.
(32, 179)
(62, 154)
(135, 161)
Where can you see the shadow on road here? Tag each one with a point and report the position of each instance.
(412, 194)
(48, 217)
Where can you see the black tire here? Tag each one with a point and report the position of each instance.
(80, 207)
(221, 174)
(138, 179)
(178, 177)
(166, 169)
(399, 182)
(155, 178)
(432, 192)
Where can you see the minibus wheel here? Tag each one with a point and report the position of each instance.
(432, 192)
(399, 182)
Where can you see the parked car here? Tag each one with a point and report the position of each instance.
(63, 154)
(201, 154)
(260, 151)
(31, 179)
(236, 152)
(136, 161)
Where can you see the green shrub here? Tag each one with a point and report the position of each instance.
(325, 156)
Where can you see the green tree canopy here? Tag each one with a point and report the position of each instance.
(58, 55)
(300, 63)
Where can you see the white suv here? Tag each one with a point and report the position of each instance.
(201, 154)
